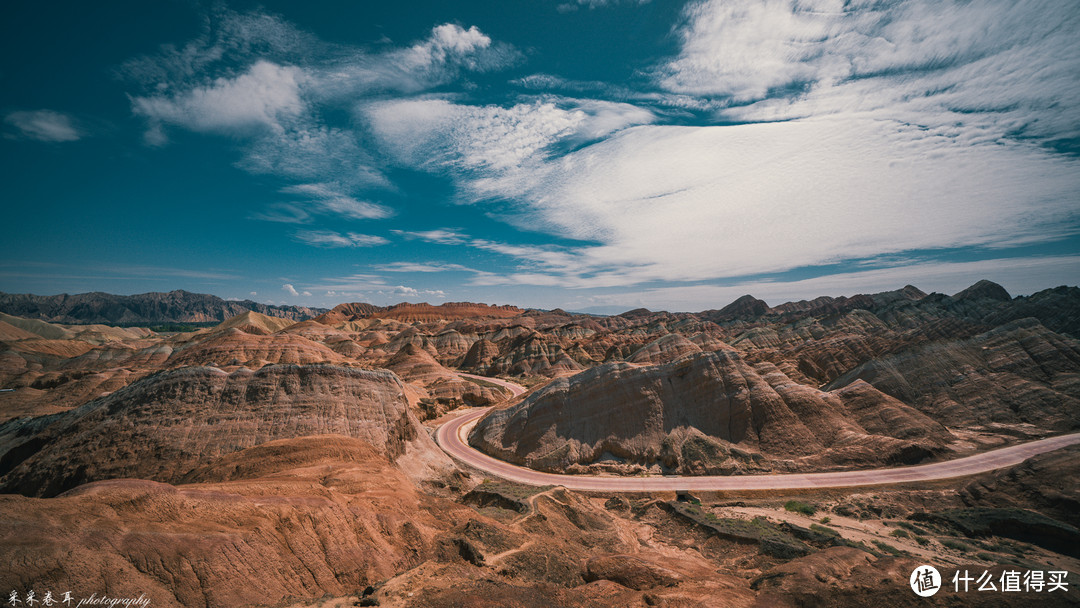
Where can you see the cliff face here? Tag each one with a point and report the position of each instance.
(165, 426)
(709, 412)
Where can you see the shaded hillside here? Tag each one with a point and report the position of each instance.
(1020, 372)
(706, 413)
(144, 308)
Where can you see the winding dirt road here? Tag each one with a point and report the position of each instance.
(452, 436)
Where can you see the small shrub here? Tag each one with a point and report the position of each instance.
(911, 527)
(826, 519)
(824, 530)
(796, 506)
(899, 533)
(922, 540)
(957, 545)
(887, 548)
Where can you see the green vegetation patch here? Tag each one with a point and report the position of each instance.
(797, 506)
(824, 529)
(887, 548)
(910, 527)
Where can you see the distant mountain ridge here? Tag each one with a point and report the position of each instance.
(155, 307)
(417, 313)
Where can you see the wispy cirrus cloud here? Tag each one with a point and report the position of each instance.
(44, 125)
(423, 267)
(328, 198)
(867, 130)
(330, 238)
(569, 7)
(372, 287)
(441, 236)
(439, 134)
(1004, 68)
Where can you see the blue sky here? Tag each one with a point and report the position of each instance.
(595, 155)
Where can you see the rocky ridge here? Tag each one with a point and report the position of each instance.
(145, 308)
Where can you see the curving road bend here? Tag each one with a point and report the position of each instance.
(452, 437)
(515, 389)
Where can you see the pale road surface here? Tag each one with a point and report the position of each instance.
(452, 437)
(515, 389)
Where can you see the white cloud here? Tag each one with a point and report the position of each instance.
(226, 36)
(328, 198)
(329, 238)
(403, 291)
(422, 267)
(284, 213)
(893, 135)
(440, 236)
(44, 125)
(288, 83)
(447, 51)
(372, 287)
(288, 288)
(446, 42)
(437, 133)
(687, 203)
(261, 97)
(253, 293)
(994, 69)
(307, 151)
(743, 48)
(352, 285)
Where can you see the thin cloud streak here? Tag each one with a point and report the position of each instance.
(331, 239)
(44, 125)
